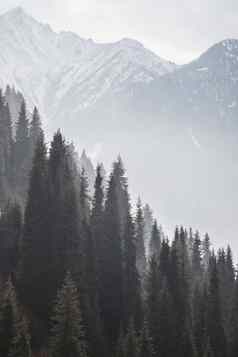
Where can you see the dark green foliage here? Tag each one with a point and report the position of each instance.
(35, 246)
(153, 300)
(35, 131)
(188, 295)
(131, 281)
(140, 244)
(22, 160)
(112, 267)
(10, 235)
(6, 152)
(14, 332)
(67, 334)
(215, 329)
(155, 241)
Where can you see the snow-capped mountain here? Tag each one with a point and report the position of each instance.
(52, 69)
(175, 126)
(205, 89)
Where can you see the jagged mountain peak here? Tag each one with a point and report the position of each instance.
(18, 16)
(52, 68)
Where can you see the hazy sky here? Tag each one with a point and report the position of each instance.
(178, 30)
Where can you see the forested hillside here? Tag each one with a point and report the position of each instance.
(90, 276)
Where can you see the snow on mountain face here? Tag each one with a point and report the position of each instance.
(49, 67)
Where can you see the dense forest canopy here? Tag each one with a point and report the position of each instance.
(86, 275)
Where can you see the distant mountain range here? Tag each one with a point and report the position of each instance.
(61, 70)
(175, 126)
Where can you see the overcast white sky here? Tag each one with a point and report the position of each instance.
(178, 30)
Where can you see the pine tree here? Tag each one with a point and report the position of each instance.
(97, 220)
(164, 261)
(64, 238)
(206, 253)
(84, 198)
(179, 282)
(21, 342)
(153, 301)
(21, 152)
(10, 233)
(6, 153)
(196, 259)
(35, 131)
(111, 277)
(67, 335)
(121, 192)
(35, 246)
(14, 332)
(140, 244)
(215, 330)
(233, 341)
(199, 318)
(148, 224)
(131, 280)
(155, 241)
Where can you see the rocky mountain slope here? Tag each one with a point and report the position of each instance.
(174, 126)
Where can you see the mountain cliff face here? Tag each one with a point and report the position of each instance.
(61, 71)
(174, 126)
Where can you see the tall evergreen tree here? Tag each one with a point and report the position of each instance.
(35, 131)
(140, 244)
(153, 301)
(64, 237)
(233, 341)
(132, 287)
(215, 330)
(10, 236)
(121, 192)
(67, 335)
(14, 332)
(112, 278)
(21, 153)
(35, 246)
(155, 241)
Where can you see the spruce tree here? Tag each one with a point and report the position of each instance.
(67, 334)
(131, 280)
(6, 153)
(35, 131)
(112, 265)
(233, 341)
(148, 224)
(35, 250)
(121, 192)
(97, 221)
(153, 301)
(215, 330)
(155, 241)
(10, 234)
(63, 231)
(140, 244)
(22, 159)
(206, 252)
(14, 332)
(196, 259)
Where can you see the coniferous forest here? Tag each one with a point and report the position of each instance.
(86, 275)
